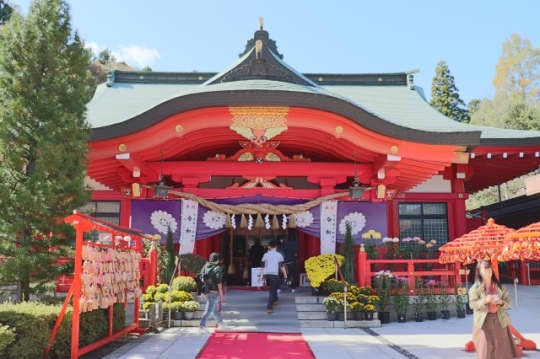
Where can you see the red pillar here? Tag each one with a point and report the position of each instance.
(361, 265)
(523, 277)
(153, 267)
(460, 221)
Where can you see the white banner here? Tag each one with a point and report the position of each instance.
(188, 226)
(328, 226)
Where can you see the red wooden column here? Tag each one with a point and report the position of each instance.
(460, 220)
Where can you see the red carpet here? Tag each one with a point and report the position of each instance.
(249, 345)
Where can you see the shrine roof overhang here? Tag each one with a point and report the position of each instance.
(394, 111)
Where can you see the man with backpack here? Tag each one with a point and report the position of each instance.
(210, 283)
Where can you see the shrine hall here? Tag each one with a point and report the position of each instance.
(262, 151)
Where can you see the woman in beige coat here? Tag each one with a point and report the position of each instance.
(491, 328)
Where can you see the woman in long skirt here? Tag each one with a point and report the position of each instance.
(491, 324)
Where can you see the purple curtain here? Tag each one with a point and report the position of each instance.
(153, 216)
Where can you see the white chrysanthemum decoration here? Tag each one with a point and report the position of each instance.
(304, 219)
(214, 220)
(357, 221)
(250, 222)
(162, 221)
(267, 221)
(284, 222)
(233, 221)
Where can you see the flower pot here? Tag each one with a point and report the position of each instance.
(419, 316)
(188, 315)
(369, 316)
(401, 318)
(461, 313)
(432, 315)
(331, 315)
(384, 317)
(358, 315)
(445, 314)
(178, 315)
(165, 315)
(340, 316)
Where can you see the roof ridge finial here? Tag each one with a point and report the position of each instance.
(261, 22)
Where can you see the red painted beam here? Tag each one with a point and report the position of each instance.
(265, 169)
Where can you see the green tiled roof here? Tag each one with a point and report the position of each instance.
(397, 105)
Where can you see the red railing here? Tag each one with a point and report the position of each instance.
(407, 268)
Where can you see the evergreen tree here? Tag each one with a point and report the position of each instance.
(5, 12)
(445, 95)
(43, 141)
(170, 258)
(348, 253)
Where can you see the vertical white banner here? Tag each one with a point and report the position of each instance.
(328, 226)
(188, 226)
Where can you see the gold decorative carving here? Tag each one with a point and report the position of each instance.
(394, 149)
(272, 157)
(339, 130)
(246, 156)
(179, 128)
(259, 123)
(122, 147)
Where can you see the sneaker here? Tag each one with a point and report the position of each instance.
(222, 326)
(293, 290)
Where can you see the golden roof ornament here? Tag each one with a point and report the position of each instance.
(261, 22)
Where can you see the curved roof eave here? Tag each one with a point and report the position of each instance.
(274, 97)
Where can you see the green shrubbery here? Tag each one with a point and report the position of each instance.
(31, 324)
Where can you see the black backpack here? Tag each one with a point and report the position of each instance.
(203, 279)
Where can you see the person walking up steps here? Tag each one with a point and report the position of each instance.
(273, 262)
(210, 282)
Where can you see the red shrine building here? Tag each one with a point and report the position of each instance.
(262, 132)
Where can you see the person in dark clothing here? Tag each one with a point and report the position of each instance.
(213, 274)
(256, 252)
(293, 271)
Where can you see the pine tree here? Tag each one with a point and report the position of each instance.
(445, 96)
(43, 141)
(170, 258)
(5, 12)
(348, 253)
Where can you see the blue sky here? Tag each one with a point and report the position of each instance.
(314, 36)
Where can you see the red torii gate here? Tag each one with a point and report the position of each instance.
(83, 224)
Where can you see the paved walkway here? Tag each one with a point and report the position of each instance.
(431, 339)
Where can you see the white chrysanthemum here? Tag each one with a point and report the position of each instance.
(233, 221)
(214, 220)
(162, 220)
(304, 219)
(357, 221)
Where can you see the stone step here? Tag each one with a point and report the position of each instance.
(308, 300)
(312, 315)
(310, 308)
(340, 324)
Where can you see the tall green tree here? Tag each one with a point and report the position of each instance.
(518, 69)
(43, 140)
(5, 12)
(348, 254)
(445, 95)
(170, 258)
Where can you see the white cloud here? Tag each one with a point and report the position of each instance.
(133, 55)
(136, 55)
(92, 46)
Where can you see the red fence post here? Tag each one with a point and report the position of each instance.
(457, 269)
(410, 271)
(153, 266)
(362, 267)
(76, 293)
